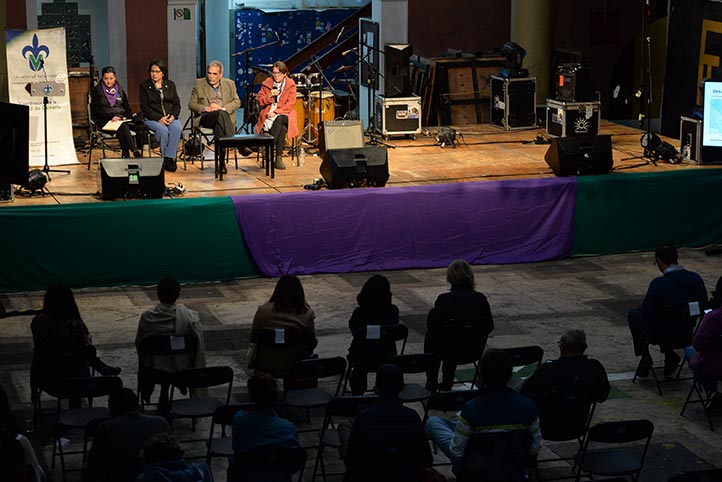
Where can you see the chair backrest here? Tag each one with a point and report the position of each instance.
(709, 475)
(224, 414)
(451, 401)
(283, 337)
(416, 363)
(89, 387)
(168, 345)
(349, 406)
(621, 432)
(194, 378)
(318, 367)
(268, 461)
(495, 457)
(386, 333)
(565, 414)
(526, 355)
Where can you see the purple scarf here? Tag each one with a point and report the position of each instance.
(111, 93)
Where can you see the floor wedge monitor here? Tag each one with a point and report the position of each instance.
(360, 167)
(131, 178)
(580, 155)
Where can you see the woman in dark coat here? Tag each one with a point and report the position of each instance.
(109, 102)
(461, 310)
(374, 308)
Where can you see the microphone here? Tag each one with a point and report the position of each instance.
(338, 37)
(349, 51)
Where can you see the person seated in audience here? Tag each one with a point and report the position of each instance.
(664, 318)
(62, 346)
(17, 456)
(705, 359)
(387, 441)
(109, 102)
(118, 442)
(374, 308)
(461, 306)
(286, 309)
(161, 108)
(163, 462)
(261, 428)
(572, 369)
(497, 409)
(172, 319)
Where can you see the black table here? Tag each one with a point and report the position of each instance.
(264, 141)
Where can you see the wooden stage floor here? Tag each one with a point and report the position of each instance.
(486, 153)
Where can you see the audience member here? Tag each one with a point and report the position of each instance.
(161, 108)
(387, 441)
(664, 318)
(287, 309)
(118, 442)
(62, 346)
(213, 102)
(461, 310)
(172, 319)
(109, 102)
(260, 429)
(374, 308)
(565, 389)
(17, 456)
(163, 462)
(497, 409)
(705, 357)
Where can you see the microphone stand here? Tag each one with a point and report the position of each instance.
(321, 85)
(247, 121)
(48, 88)
(372, 82)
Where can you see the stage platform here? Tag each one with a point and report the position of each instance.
(486, 153)
(492, 200)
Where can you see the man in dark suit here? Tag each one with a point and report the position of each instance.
(666, 317)
(213, 103)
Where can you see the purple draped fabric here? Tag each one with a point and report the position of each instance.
(348, 230)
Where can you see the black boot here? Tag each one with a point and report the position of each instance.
(279, 162)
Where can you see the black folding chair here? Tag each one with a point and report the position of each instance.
(697, 388)
(463, 345)
(79, 418)
(268, 341)
(223, 446)
(495, 457)
(318, 369)
(709, 475)
(596, 458)
(265, 464)
(338, 408)
(373, 338)
(446, 402)
(410, 364)
(524, 356)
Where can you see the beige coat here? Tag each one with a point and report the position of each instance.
(202, 94)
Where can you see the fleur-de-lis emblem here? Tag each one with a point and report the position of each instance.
(34, 54)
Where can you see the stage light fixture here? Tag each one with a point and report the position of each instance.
(36, 180)
(514, 54)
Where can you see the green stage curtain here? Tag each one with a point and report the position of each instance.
(121, 243)
(619, 213)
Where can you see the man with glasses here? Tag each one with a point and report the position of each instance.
(276, 99)
(213, 102)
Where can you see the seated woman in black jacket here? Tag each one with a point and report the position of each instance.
(457, 326)
(374, 308)
(109, 102)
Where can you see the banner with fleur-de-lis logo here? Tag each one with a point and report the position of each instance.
(37, 70)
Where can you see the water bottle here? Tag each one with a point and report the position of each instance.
(301, 156)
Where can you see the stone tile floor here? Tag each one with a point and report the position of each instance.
(531, 303)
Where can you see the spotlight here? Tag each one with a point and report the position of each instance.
(650, 141)
(514, 54)
(667, 152)
(36, 180)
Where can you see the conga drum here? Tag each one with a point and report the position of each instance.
(326, 112)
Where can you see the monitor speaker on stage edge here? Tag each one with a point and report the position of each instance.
(340, 135)
(360, 167)
(14, 147)
(580, 155)
(131, 178)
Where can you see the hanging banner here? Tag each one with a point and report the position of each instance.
(37, 70)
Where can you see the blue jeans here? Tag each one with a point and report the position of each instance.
(442, 431)
(168, 136)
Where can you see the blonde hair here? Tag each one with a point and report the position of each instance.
(460, 276)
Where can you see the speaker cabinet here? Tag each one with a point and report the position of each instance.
(360, 167)
(131, 178)
(397, 58)
(580, 155)
(345, 134)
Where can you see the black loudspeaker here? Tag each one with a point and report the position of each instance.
(131, 178)
(340, 135)
(580, 155)
(397, 59)
(360, 167)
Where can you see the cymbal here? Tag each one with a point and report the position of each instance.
(344, 68)
(266, 66)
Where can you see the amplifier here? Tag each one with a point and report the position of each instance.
(574, 83)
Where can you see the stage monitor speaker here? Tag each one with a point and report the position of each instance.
(346, 134)
(397, 59)
(131, 178)
(580, 155)
(359, 167)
